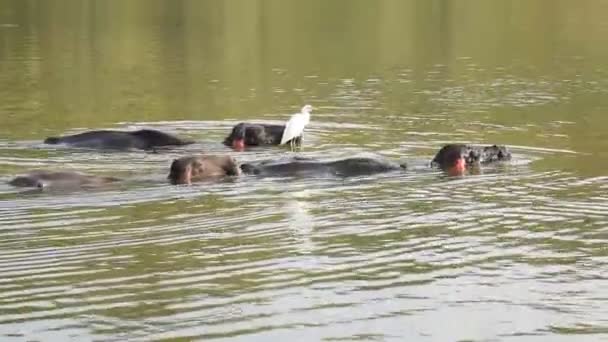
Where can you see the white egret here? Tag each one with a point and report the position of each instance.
(295, 126)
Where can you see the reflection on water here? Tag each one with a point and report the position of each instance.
(518, 249)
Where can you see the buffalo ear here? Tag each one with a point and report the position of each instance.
(231, 167)
(188, 176)
(196, 168)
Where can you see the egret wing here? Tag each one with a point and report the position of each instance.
(293, 128)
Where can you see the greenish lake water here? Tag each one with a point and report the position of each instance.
(516, 253)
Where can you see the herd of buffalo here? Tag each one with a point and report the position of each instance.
(454, 159)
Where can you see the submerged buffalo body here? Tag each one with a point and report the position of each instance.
(471, 156)
(60, 179)
(187, 170)
(348, 167)
(252, 134)
(107, 139)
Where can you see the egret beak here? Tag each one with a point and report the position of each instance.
(238, 144)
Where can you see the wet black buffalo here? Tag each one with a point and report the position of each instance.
(187, 170)
(300, 167)
(251, 134)
(42, 179)
(143, 139)
(456, 158)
